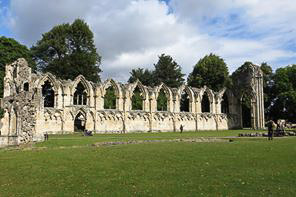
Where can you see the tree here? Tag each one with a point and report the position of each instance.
(283, 104)
(168, 72)
(110, 98)
(145, 76)
(67, 51)
(210, 71)
(10, 51)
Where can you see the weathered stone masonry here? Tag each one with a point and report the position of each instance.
(39, 103)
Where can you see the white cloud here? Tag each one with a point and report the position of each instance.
(132, 33)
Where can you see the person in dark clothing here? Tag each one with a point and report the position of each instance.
(270, 126)
(181, 128)
(46, 136)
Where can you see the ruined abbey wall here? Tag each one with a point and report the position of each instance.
(32, 110)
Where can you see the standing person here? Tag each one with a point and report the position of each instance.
(270, 126)
(46, 136)
(181, 128)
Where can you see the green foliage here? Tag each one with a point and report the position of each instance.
(110, 98)
(284, 94)
(137, 99)
(210, 71)
(168, 72)
(244, 167)
(162, 101)
(145, 76)
(67, 51)
(10, 51)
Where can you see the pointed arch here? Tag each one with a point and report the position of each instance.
(115, 85)
(166, 89)
(210, 93)
(48, 94)
(111, 92)
(81, 91)
(186, 98)
(205, 103)
(163, 97)
(137, 99)
(51, 78)
(81, 79)
(225, 104)
(138, 93)
(53, 84)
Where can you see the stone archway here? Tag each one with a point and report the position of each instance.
(246, 111)
(79, 122)
(248, 79)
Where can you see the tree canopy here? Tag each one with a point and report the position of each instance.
(145, 76)
(10, 51)
(283, 103)
(68, 50)
(210, 71)
(168, 72)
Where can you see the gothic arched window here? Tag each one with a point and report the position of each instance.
(224, 104)
(80, 95)
(110, 98)
(162, 101)
(184, 102)
(48, 94)
(137, 99)
(205, 103)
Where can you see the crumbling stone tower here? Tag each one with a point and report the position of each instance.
(248, 80)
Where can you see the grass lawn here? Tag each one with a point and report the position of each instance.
(67, 165)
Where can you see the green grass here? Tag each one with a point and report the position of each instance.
(78, 140)
(245, 167)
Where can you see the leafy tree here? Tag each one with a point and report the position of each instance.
(110, 98)
(68, 50)
(10, 51)
(162, 101)
(145, 76)
(210, 71)
(137, 99)
(283, 104)
(168, 72)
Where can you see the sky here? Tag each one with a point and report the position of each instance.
(132, 33)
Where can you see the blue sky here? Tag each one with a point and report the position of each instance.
(132, 33)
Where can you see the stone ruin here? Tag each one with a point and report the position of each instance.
(39, 103)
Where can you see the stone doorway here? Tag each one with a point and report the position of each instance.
(79, 123)
(246, 111)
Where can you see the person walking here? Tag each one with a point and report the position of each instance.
(270, 126)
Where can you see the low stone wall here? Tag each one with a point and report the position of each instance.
(8, 141)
